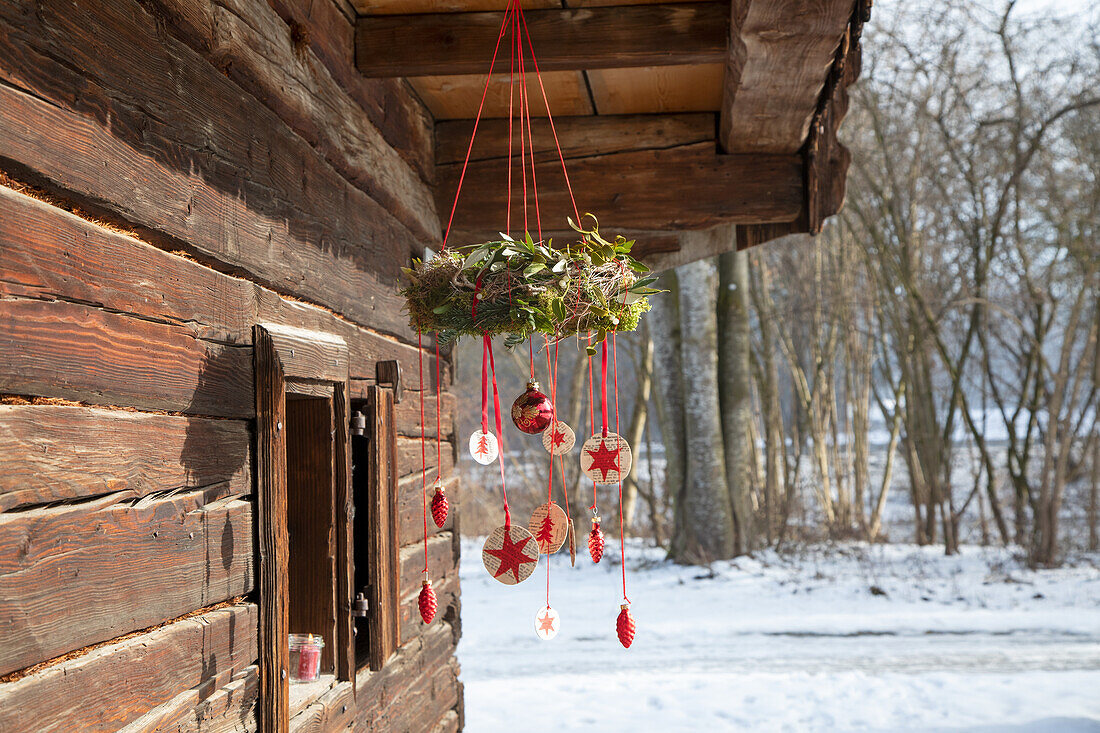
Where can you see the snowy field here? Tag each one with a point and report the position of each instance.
(787, 643)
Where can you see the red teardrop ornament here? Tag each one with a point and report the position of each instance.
(427, 603)
(532, 411)
(439, 506)
(625, 626)
(595, 541)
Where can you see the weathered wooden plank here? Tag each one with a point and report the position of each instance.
(117, 568)
(446, 593)
(449, 723)
(441, 560)
(116, 683)
(256, 48)
(410, 509)
(274, 543)
(50, 254)
(344, 513)
(308, 354)
(409, 458)
(220, 175)
(54, 452)
(407, 414)
(332, 711)
(232, 709)
(57, 349)
(789, 46)
(567, 40)
(683, 188)
(579, 137)
(173, 714)
(381, 540)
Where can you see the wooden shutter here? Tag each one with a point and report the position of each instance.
(383, 568)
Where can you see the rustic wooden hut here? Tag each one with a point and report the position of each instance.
(204, 206)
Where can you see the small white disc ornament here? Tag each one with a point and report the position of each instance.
(547, 623)
(606, 459)
(559, 438)
(510, 555)
(483, 447)
(550, 527)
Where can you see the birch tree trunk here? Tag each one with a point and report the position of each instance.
(704, 524)
(636, 431)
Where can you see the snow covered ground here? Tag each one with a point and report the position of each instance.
(782, 643)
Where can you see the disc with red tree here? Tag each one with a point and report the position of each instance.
(547, 623)
(483, 447)
(606, 459)
(510, 555)
(550, 527)
(559, 438)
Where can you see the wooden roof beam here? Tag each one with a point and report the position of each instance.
(439, 44)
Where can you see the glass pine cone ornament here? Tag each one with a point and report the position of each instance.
(439, 505)
(427, 602)
(595, 541)
(624, 626)
(532, 410)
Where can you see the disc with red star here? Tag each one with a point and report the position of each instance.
(606, 458)
(483, 447)
(550, 527)
(559, 438)
(547, 623)
(510, 555)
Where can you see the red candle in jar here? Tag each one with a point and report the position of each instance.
(308, 649)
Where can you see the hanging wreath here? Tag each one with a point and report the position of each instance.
(524, 287)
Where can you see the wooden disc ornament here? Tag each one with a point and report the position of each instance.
(510, 555)
(606, 459)
(547, 623)
(550, 527)
(559, 438)
(483, 447)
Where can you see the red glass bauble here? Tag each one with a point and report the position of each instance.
(439, 506)
(595, 541)
(427, 602)
(625, 626)
(532, 411)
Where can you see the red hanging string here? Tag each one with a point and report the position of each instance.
(622, 534)
(511, 112)
(603, 385)
(591, 409)
(500, 435)
(438, 415)
(423, 450)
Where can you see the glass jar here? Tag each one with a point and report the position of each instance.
(305, 657)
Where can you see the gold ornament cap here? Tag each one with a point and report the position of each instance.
(533, 384)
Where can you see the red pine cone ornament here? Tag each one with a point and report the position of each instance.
(595, 541)
(532, 411)
(625, 626)
(428, 605)
(439, 505)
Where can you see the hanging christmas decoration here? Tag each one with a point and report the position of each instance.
(624, 626)
(606, 459)
(550, 527)
(547, 623)
(532, 410)
(572, 545)
(426, 601)
(439, 504)
(595, 541)
(483, 447)
(559, 438)
(510, 554)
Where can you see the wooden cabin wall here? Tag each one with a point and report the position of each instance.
(173, 172)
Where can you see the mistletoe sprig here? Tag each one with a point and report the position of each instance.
(525, 286)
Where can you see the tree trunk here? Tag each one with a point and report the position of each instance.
(704, 522)
(636, 430)
(668, 390)
(736, 391)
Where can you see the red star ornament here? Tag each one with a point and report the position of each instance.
(547, 623)
(606, 459)
(559, 438)
(550, 527)
(510, 555)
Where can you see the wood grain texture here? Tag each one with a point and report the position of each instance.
(657, 89)
(381, 522)
(404, 7)
(112, 685)
(447, 596)
(55, 452)
(115, 568)
(441, 560)
(57, 349)
(410, 509)
(305, 354)
(256, 49)
(177, 712)
(789, 46)
(220, 175)
(332, 711)
(458, 97)
(231, 709)
(273, 542)
(579, 137)
(565, 39)
(344, 513)
(684, 188)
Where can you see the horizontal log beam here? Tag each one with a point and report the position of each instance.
(684, 188)
(564, 40)
(115, 684)
(117, 569)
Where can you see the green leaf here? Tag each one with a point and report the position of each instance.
(441, 309)
(559, 266)
(533, 269)
(505, 237)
